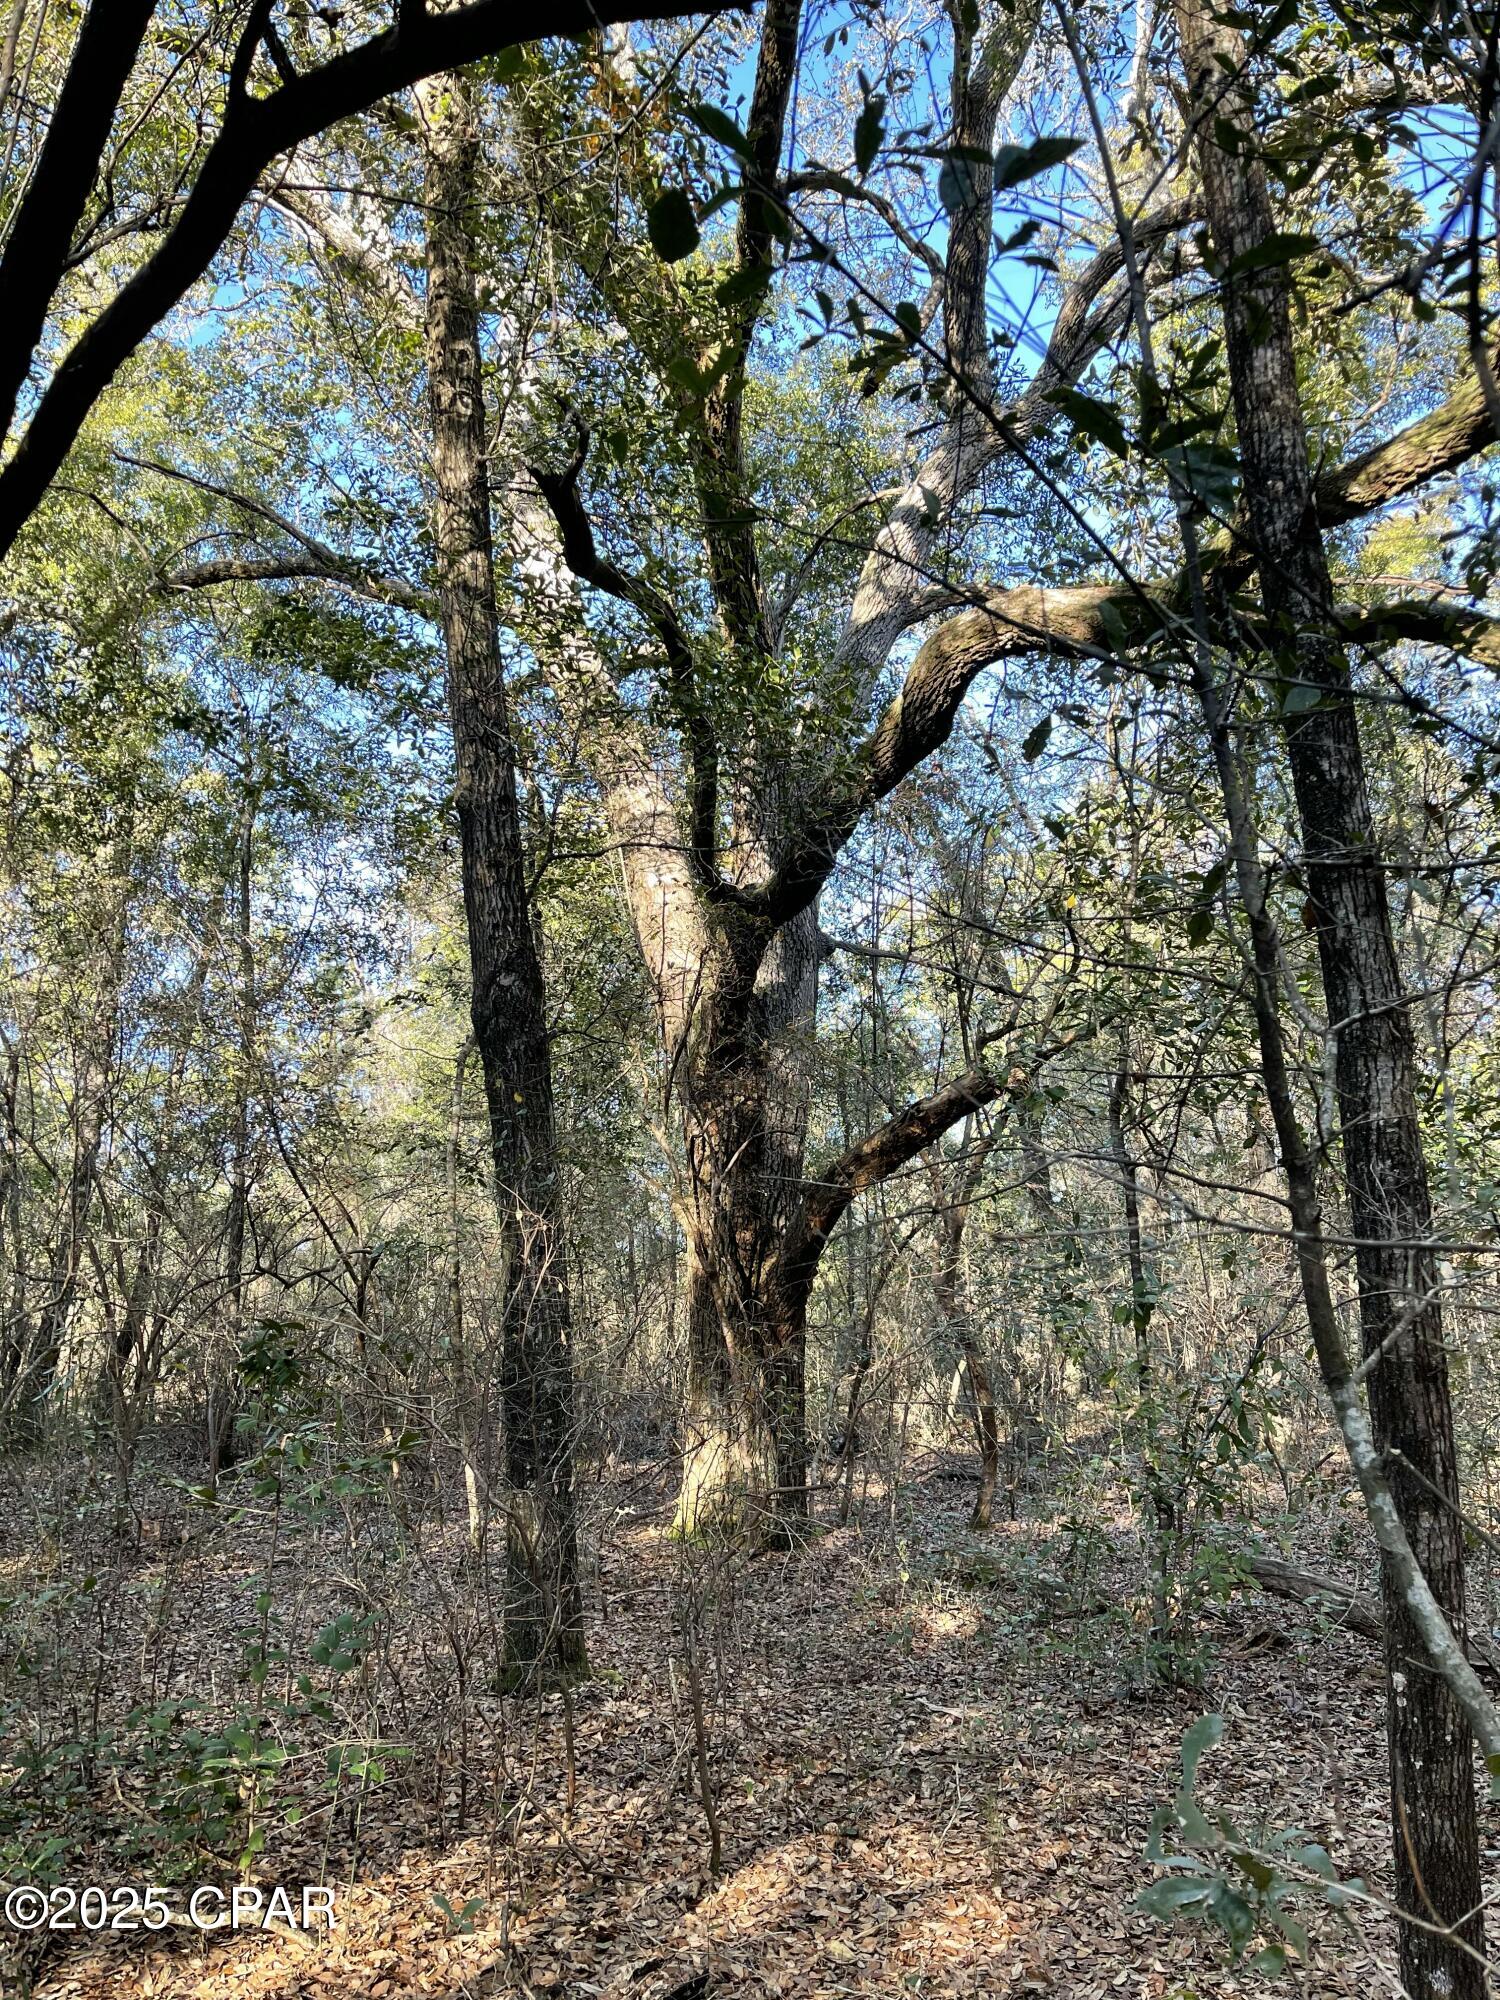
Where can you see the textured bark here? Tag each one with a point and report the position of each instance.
(224, 1396)
(951, 1285)
(722, 1017)
(1343, 1604)
(544, 1622)
(41, 235)
(1431, 1746)
(745, 1468)
(1337, 1601)
(38, 1341)
(1429, 446)
(1161, 1502)
(1401, 1572)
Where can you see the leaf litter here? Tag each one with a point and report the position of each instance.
(933, 1775)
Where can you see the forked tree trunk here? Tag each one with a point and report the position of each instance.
(544, 1630)
(733, 967)
(1431, 1745)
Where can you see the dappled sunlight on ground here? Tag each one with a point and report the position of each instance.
(930, 1770)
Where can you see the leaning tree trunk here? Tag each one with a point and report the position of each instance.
(1430, 1741)
(544, 1623)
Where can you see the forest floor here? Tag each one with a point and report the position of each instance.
(931, 1762)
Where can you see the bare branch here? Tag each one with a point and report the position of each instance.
(312, 558)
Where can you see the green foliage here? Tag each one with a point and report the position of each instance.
(1245, 1886)
(672, 225)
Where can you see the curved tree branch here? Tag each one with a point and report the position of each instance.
(311, 558)
(252, 133)
(1442, 441)
(581, 554)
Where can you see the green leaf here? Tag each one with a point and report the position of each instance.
(1207, 1731)
(1208, 471)
(957, 186)
(1113, 625)
(720, 198)
(1172, 1896)
(1254, 1869)
(1206, 1734)
(1291, 1930)
(1095, 419)
(1281, 247)
(1232, 1914)
(1014, 164)
(672, 226)
(869, 133)
(1036, 741)
(698, 382)
(742, 287)
(719, 125)
(1300, 697)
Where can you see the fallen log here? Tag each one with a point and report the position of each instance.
(1339, 1602)
(1342, 1604)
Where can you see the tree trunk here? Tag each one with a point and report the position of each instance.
(224, 1378)
(122, 1411)
(40, 1344)
(745, 1461)
(1430, 1741)
(544, 1624)
(1161, 1502)
(38, 1375)
(13, 1323)
(467, 1391)
(952, 1290)
(987, 1427)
